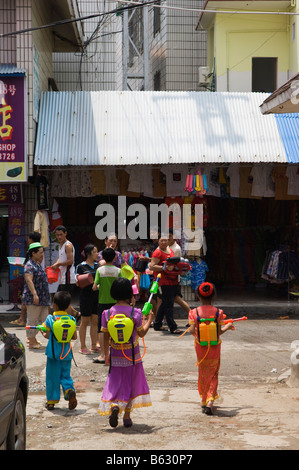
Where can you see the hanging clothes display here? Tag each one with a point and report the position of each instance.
(280, 266)
(199, 269)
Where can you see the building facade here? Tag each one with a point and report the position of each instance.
(122, 50)
(247, 51)
(25, 71)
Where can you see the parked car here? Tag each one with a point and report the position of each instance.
(13, 392)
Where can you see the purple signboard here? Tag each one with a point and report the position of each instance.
(10, 194)
(12, 129)
(16, 250)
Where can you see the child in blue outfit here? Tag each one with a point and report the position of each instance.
(59, 356)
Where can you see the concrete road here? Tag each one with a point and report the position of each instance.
(257, 409)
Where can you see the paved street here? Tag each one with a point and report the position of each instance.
(257, 409)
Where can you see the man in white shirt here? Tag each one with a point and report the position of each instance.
(66, 263)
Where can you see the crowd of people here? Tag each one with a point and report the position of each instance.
(105, 295)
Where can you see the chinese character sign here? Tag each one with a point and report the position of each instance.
(16, 237)
(12, 129)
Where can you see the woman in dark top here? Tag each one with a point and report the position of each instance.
(88, 301)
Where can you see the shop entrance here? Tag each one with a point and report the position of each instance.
(239, 233)
(242, 236)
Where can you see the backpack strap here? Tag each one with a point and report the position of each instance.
(217, 323)
(198, 322)
(133, 349)
(110, 363)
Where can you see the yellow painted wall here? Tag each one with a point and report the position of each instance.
(238, 38)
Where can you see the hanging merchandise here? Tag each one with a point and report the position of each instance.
(280, 266)
(55, 217)
(42, 192)
(41, 223)
(197, 183)
(175, 178)
(198, 272)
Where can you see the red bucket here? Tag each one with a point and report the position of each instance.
(52, 274)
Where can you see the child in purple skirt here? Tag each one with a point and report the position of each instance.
(126, 387)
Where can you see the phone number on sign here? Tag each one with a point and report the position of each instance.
(7, 156)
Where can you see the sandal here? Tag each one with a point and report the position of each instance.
(16, 323)
(72, 400)
(177, 332)
(162, 328)
(128, 422)
(113, 420)
(37, 346)
(95, 350)
(209, 409)
(49, 406)
(98, 361)
(84, 351)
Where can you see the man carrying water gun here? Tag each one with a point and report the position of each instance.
(168, 282)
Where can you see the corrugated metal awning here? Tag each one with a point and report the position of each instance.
(11, 70)
(284, 99)
(129, 128)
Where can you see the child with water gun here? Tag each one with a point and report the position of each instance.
(126, 386)
(206, 325)
(60, 328)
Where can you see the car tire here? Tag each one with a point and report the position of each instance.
(16, 438)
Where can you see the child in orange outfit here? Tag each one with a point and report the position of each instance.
(208, 357)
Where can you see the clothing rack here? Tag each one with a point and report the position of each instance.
(281, 266)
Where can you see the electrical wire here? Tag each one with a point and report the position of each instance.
(204, 10)
(81, 18)
(132, 5)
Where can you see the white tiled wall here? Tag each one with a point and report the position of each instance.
(176, 51)
(95, 68)
(7, 25)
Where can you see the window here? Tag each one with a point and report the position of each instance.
(157, 19)
(135, 35)
(157, 81)
(264, 73)
(293, 31)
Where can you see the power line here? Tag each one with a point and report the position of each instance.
(132, 5)
(201, 10)
(82, 18)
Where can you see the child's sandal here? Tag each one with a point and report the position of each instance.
(113, 419)
(72, 400)
(49, 406)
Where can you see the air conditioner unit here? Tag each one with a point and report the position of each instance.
(203, 75)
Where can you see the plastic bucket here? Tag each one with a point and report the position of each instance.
(141, 265)
(85, 280)
(52, 274)
(127, 271)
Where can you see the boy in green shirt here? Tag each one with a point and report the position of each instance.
(105, 275)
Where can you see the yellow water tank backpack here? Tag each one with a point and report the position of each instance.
(64, 328)
(207, 330)
(120, 327)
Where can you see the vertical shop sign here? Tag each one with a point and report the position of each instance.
(16, 237)
(12, 129)
(10, 194)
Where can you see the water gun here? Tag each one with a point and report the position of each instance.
(181, 266)
(153, 290)
(37, 327)
(232, 320)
